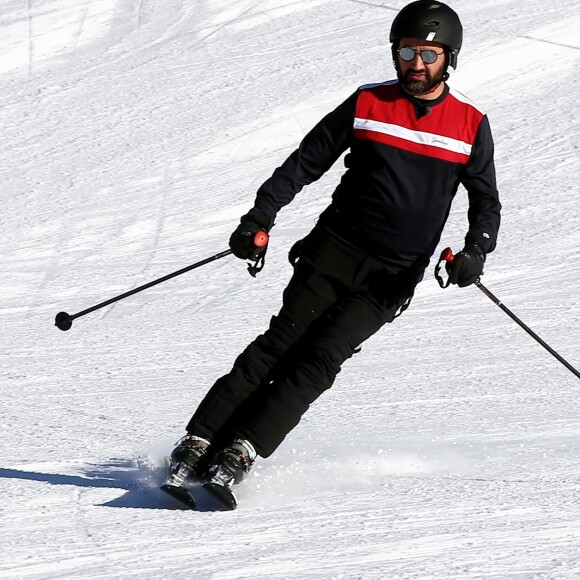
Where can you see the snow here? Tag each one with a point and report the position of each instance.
(135, 133)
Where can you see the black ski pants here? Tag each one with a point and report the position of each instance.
(336, 299)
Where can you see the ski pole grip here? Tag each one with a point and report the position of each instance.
(447, 255)
(261, 239)
(446, 258)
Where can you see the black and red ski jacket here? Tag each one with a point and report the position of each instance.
(406, 161)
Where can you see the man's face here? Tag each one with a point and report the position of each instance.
(416, 76)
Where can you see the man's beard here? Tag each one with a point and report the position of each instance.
(418, 87)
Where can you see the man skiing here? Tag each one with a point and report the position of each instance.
(411, 142)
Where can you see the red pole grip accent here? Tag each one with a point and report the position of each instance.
(447, 255)
(261, 239)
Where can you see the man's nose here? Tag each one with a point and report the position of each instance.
(417, 60)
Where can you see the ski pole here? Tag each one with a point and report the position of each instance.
(447, 257)
(64, 321)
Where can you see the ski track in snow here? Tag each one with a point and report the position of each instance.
(134, 135)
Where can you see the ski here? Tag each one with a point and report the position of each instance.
(179, 493)
(225, 497)
(222, 497)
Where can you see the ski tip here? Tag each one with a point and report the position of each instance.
(224, 495)
(180, 494)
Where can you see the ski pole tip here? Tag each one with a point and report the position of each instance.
(63, 321)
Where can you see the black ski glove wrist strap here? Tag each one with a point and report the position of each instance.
(258, 265)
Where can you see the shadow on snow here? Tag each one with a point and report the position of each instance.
(139, 480)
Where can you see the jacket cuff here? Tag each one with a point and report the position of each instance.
(486, 245)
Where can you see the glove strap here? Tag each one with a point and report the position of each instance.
(257, 266)
(438, 277)
(403, 307)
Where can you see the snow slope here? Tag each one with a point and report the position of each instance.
(134, 134)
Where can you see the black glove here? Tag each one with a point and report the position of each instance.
(242, 240)
(467, 266)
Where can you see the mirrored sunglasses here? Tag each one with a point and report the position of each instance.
(427, 56)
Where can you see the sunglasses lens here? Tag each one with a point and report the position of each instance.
(428, 56)
(407, 54)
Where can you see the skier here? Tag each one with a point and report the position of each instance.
(412, 141)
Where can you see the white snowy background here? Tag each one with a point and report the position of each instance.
(134, 135)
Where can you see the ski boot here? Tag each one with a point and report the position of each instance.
(183, 467)
(229, 466)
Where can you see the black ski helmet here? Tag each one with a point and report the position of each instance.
(429, 20)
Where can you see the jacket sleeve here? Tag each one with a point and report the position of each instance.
(479, 180)
(316, 154)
